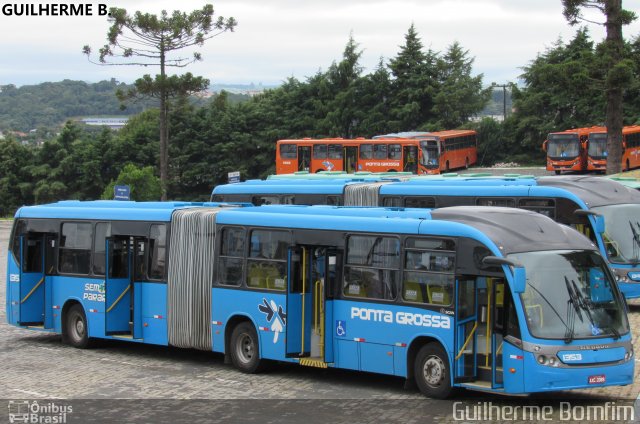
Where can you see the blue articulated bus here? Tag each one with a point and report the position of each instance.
(579, 201)
(453, 297)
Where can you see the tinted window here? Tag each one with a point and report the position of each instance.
(288, 151)
(372, 267)
(267, 262)
(157, 251)
(379, 151)
(335, 151)
(231, 256)
(366, 151)
(395, 151)
(75, 248)
(103, 230)
(320, 151)
(428, 275)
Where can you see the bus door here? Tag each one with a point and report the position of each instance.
(140, 259)
(466, 330)
(410, 159)
(118, 286)
(497, 323)
(50, 260)
(350, 161)
(32, 280)
(309, 305)
(304, 158)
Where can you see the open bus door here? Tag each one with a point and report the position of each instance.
(118, 286)
(350, 161)
(304, 158)
(313, 271)
(410, 159)
(31, 298)
(464, 369)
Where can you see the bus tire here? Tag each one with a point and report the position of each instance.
(76, 330)
(432, 371)
(244, 348)
(557, 172)
(628, 166)
(446, 167)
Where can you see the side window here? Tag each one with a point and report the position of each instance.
(319, 151)
(267, 261)
(333, 201)
(33, 254)
(18, 230)
(335, 151)
(103, 230)
(157, 251)
(288, 151)
(231, 256)
(379, 151)
(429, 266)
(496, 201)
(366, 151)
(75, 248)
(265, 200)
(420, 202)
(544, 206)
(372, 267)
(391, 202)
(395, 151)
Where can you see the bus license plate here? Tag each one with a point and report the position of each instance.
(597, 379)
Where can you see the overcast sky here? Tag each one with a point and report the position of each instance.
(276, 39)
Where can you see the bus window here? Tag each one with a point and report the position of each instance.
(267, 262)
(75, 248)
(33, 255)
(288, 151)
(335, 151)
(546, 207)
(372, 267)
(420, 202)
(395, 151)
(379, 151)
(428, 271)
(496, 201)
(333, 200)
(103, 230)
(231, 256)
(319, 151)
(366, 151)
(157, 251)
(265, 200)
(391, 202)
(18, 230)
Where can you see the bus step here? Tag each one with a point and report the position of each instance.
(313, 362)
(122, 336)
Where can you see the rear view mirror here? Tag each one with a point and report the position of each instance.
(519, 273)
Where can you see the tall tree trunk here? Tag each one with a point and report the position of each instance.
(164, 129)
(613, 122)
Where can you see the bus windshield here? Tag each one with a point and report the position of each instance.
(598, 145)
(570, 295)
(429, 153)
(563, 146)
(622, 236)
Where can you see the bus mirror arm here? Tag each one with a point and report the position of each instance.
(599, 219)
(519, 273)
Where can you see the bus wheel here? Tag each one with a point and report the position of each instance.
(628, 167)
(431, 370)
(557, 172)
(446, 167)
(76, 331)
(244, 348)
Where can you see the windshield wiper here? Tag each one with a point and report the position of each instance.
(572, 310)
(636, 245)
(555, 311)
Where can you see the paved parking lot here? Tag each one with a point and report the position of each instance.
(37, 366)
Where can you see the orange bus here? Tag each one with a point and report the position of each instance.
(597, 149)
(418, 153)
(567, 150)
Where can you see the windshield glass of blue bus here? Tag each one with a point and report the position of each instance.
(570, 294)
(563, 146)
(622, 232)
(429, 153)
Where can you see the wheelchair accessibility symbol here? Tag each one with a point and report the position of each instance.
(341, 328)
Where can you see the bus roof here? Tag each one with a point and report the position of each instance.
(111, 210)
(594, 191)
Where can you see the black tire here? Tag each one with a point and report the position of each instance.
(244, 348)
(628, 166)
(76, 331)
(432, 371)
(557, 172)
(446, 167)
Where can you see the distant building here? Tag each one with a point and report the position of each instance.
(113, 123)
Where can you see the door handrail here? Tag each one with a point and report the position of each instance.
(33, 290)
(473, 330)
(119, 298)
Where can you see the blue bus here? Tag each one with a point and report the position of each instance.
(578, 201)
(451, 297)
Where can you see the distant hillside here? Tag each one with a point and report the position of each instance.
(51, 103)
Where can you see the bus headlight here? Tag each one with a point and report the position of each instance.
(549, 361)
(542, 360)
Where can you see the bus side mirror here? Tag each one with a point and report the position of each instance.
(519, 279)
(600, 227)
(544, 145)
(519, 273)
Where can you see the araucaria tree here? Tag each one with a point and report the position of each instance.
(620, 71)
(143, 39)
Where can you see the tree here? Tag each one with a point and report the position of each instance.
(144, 39)
(144, 185)
(620, 71)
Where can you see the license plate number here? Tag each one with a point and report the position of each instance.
(597, 379)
